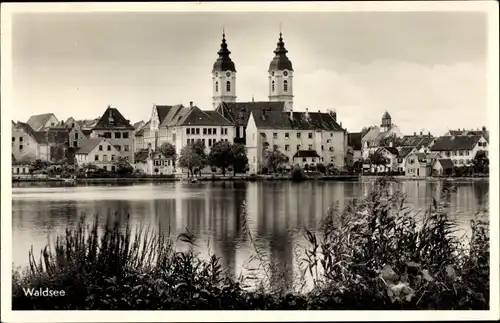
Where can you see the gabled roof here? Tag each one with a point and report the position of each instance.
(405, 151)
(37, 122)
(173, 115)
(392, 150)
(88, 123)
(90, 144)
(281, 120)
(141, 156)
(239, 112)
(138, 125)
(450, 143)
(87, 132)
(446, 163)
(306, 153)
(26, 128)
(113, 119)
(354, 140)
(196, 117)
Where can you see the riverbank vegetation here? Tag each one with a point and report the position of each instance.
(372, 255)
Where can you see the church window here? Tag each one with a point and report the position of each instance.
(285, 85)
(216, 86)
(228, 86)
(272, 86)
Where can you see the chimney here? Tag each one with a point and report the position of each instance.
(421, 133)
(414, 133)
(190, 104)
(429, 134)
(307, 113)
(484, 128)
(319, 111)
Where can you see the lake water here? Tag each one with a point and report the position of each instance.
(276, 212)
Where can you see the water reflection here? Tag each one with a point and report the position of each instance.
(276, 213)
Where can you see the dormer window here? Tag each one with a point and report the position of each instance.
(228, 86)
(285, 85)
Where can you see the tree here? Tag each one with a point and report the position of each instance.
(199, 148)
(221, 155)
(386, 141)
(275, 158)
(376, 158)
(190, 158)
(168, 150)
(321, 168)
(122, 166)
(240, 159)
(481, 162)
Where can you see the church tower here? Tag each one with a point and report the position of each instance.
(386, 122)
(223, 76)
(281, 77)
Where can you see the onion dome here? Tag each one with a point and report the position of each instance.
(280, 61)
(224, 62)
(386, 115)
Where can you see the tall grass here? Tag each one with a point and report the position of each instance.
(374, 254)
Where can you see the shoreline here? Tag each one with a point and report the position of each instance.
(246, 178)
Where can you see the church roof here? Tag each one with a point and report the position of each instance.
(239, 112)
(224, 62)
(280, 61)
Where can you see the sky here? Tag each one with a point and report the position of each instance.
(427, 69)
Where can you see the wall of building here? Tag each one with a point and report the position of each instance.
(103, 155)
(181, 136)
(465, 157)
(124, 145)
(24, 146)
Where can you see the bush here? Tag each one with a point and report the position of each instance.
(297, 173)
(370, 256)
(265, 170)
(321, 168)
(213, 169)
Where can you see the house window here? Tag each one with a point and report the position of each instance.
(125, 135)
(330, 149)
(467, 153)
(112, 157)
(197, 131)
(275, 135)
(13, 138)
(322, 147)
(96, 157)
(203, 141)
(209, 142)
(118, 147)
(225, 131)
(272, 86)
(17, 170)
(109, 147)
(21, 139)
(331, 134)
(113, 168)
(75, 143)
(216, 86)
(298, 147)
(328, 141)
(105, 157)
(187, 131)
(287, 147)
(188, 141)
(285, 85)
(125, 147)
(310, 147)
(314, 160)
(100, 147)
(76, 135)
(214, 131)
(105, 167)
(107, 135)
(287, 135)
(461, 153)
(209, 131)
(20, 147)
(332, 159)
(298, 134)
(118, 135)
(193, 131)
(310, 135)
(228, 86)
(204, 131)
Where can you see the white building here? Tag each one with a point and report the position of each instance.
(371, 141)
(153, 163)
(460, 149)
(98, 151)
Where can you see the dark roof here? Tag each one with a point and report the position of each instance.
(280, 61)
(405, 151)
(449, 143)
(113, 119)
(239, 112)
(275, 119)
(354, 140)
(37, 122)
(195, 116)
(305, 153)
(87, 132)
(416, 141)
(89, 145)
(446, 163)
(173, 115)
(386, 115)
(392, 150)
(224, 62)
(162, 111)
(141, 156)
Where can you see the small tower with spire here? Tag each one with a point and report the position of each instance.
(386, 122)
(281, 76)
(223, 76)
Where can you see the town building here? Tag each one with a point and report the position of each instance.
(391, 155)
(118, 131)
(373, 139)
(99, 151)
(41, 122)
(153, 163)
(461, 150)
(470, 132)
(420, 164)
(77, 137)
(291, 132)
(442, 167)
(20, 167)
(306, 158)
